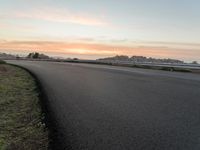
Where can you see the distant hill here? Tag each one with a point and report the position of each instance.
(140, 59)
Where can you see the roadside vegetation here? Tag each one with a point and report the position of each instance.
(2, 62)
(21, 126)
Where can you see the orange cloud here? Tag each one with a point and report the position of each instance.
(96, 49)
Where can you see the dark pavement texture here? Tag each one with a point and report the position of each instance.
(101, 107)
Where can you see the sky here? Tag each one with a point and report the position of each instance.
(91, 29)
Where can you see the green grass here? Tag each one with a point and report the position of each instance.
(2, 61)
(21, 126)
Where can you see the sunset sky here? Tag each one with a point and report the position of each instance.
(91, 29)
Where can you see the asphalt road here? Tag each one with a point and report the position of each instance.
(101, 107)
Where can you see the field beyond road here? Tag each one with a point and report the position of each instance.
(21, 126)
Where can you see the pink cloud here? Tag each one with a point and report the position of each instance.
(64, 16)
(9, 26)
(2, 26)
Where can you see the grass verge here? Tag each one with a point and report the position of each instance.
(21, 125)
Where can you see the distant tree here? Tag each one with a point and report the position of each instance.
(194, 62)
(138, 59)
(30, 55)
(43, 56)
(36, 55)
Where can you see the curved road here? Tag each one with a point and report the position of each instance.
(101, 107)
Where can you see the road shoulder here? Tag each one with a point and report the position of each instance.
(21, 117)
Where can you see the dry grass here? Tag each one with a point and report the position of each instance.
(21, 126)
(2, 69)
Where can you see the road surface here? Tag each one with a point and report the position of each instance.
(100, 107)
